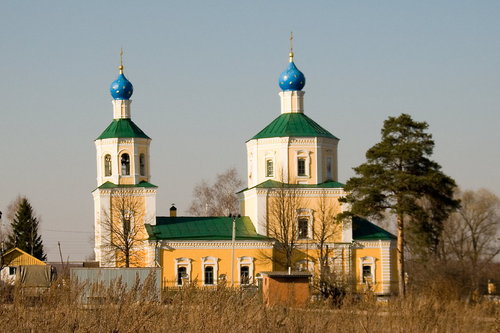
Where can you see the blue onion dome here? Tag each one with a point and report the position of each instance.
(292, 79)
(121, 88)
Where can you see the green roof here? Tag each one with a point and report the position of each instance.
(276, 184)
(122, 128)
(113, 185)
(202, 228)
(293, 124)
(363, 229)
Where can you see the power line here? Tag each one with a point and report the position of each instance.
(70, 231)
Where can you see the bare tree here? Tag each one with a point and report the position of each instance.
(10, 214)
(283, 205)
(123, 230)
(325, 226)
(471, 234)
(217, 199)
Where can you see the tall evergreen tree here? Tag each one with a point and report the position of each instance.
(398, 176)
(25, 231)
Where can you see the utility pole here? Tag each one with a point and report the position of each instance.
(233, 239)
(60, 254)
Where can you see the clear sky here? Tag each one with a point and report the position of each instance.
(205, 81)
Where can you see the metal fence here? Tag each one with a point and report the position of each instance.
(103, 284)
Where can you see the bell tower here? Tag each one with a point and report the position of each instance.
(124, 198)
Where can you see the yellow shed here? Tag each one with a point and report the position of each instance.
(14, 258)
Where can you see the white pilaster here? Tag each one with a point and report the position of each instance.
(385, 251)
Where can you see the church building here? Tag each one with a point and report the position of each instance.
(288, 208)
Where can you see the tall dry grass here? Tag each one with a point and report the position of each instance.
(224, 310)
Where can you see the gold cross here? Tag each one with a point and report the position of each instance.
(121, 61)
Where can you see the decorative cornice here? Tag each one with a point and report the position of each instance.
(295, 141)
(374, 244)
(139, 191)
(266, 141)
(304, 192)
(122, 140)
(192, 244)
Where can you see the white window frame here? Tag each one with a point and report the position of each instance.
(183, 262)
(269, 156)
(210, 261)
(110, 165)
(267, 160)
(305, 155)
(309, 264)
(368, 261)
(130, 164)
(246, 261)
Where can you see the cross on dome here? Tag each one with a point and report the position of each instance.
(291, 79)
(121, 88)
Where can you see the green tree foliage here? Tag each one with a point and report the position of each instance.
(399, 176)
(25, 231)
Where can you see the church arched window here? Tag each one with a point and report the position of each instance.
(125, 163)
(269, 168)
(142, 164)
(107, 165)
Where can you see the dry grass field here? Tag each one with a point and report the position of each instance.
(225, 310)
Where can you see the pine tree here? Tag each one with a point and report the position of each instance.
(398, 177)
(25, 231)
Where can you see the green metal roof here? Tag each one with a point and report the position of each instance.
(293, 124)
(202, 228)
(113, 185)
(122, 128)
(276, 184)
(363, 229)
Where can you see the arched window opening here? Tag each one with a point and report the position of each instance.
(125, 161)
(142, 164)
(107, 165)
(269, 168)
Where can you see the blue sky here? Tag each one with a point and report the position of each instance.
(205, 80)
